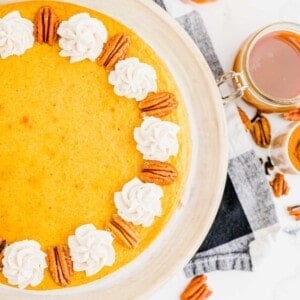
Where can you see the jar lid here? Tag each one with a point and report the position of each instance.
(271, 63)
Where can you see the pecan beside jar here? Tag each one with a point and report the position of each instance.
(293, 115)
(197, 289)
(279, 185)
(261, 132)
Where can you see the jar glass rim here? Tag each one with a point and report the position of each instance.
(279, 26)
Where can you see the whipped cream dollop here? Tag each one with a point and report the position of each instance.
(91, 249)
(139, 202)
(157, 139)
(133, 79)
(24, 263)
(16, 35)
(81, 37)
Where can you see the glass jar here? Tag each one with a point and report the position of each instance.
(267, 69)
(284, 149)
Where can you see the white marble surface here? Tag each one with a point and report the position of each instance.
(229, 22)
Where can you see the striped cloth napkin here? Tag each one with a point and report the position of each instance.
(246, 209)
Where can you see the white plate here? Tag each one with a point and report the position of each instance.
(189, 225)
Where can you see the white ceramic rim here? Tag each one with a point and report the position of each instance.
(213, 167)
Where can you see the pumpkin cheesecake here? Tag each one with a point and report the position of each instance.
(94, 145)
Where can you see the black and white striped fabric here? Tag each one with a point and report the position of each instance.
(247, 205)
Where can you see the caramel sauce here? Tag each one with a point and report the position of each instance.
(274, 64)
(294, 148)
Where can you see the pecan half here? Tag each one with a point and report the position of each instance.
(60, 264)
(197, 289)
(294, 211)
(46, 23)
(293, 115)
(124, 232)
(245, 119)
(279, 185)
(261, 132)
(158, 104)
(161, 173)
(114, 50)
(2, 246)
